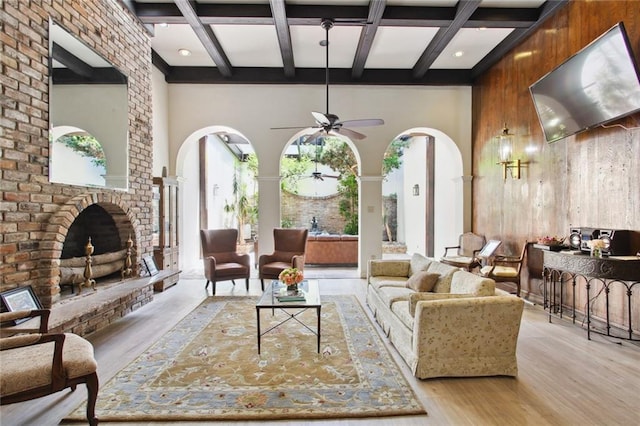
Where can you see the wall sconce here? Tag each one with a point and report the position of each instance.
(505, 151)
(416, 190)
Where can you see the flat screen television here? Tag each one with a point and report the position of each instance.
(599, 84)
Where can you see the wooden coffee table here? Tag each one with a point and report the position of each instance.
(269, 300)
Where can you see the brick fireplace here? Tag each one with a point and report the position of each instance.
(36, 215)
(105, 218)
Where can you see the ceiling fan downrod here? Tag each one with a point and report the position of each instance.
(327, 24)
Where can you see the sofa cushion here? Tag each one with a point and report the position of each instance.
(388, 295)
(401, 309)
(422, 281)
(464, 282)
(446, 273)
(417, 297)
(418, 263)
(378, 282)
(389, 268)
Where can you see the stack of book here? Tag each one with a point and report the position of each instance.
(291, 296)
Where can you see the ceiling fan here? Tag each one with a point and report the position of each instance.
(330, 123)
(316, 174)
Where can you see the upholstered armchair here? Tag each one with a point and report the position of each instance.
(469, 244)
(506, 269)
(35, 363)
(290, 245)
(222, 262)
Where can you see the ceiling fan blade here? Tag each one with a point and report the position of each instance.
(351, 134)
(366, 122)
(331, 176)
(314, 136)
(321, 118)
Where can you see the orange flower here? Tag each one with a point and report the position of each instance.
(291, 276)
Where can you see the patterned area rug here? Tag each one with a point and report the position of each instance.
(208, 368)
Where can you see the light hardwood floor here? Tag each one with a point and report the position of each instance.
(564, 379)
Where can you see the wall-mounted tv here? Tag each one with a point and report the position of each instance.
(600, 83)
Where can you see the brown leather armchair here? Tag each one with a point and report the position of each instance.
(222, 262)
(290, 246)
(31, 368)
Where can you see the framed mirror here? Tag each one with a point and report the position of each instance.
(88, 115)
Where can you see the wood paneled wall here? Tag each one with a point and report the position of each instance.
(591, 179)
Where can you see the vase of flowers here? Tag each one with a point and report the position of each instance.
(596, 247)
(291, 277)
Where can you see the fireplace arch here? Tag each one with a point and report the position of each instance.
(126, 224)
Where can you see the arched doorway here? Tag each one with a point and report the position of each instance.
(426, 191)
(320, 192)
(217, 168)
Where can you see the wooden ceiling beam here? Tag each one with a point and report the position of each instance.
(368, 33)
(206, 36)
(400, 16)
(284, 36)
(465, 9)
(258, 75)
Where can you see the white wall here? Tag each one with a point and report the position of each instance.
(254, 109)
(160, 124)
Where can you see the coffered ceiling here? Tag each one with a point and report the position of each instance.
(409, 42)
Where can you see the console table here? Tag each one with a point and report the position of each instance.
(562, 268)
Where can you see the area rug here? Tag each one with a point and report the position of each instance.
(208, 368)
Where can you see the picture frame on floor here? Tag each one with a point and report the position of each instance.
(150, 265)
(20, 299)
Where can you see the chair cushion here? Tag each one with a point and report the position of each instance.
(18, 375)
(458, 260)
(228, 269)
(422, 281)
(274, 268)
(500, 271)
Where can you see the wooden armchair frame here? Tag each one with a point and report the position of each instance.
(506, 268)
(469, 244)
(22, 337)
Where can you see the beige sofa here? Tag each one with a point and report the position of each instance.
(464, 326)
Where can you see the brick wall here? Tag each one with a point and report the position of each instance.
(35, 214)
(300, 210)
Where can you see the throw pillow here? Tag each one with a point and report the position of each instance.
(419, 263)
(422, 281)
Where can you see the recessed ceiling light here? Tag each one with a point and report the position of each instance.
(458, 53)
(163, 24)
(184, 52)
(481, 28)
